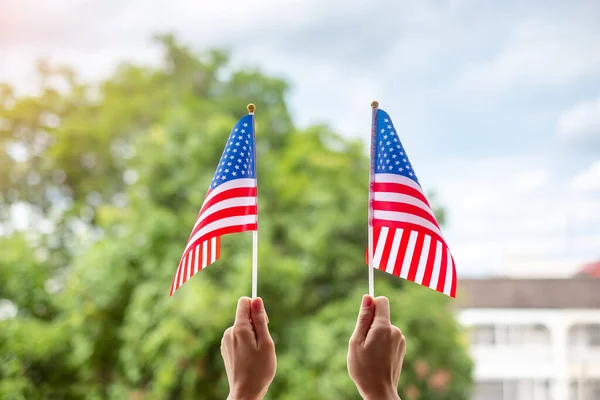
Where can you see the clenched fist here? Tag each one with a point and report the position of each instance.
(249, 352)
(376, 351)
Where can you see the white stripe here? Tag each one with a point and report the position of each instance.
(449, 272)
(393, 178)
(189, 266)
(380, 245)
(423, 260)
(402, 198)
(204, 254)
(410, 250)
(405, 217)
(435, 274)
(222, 223)
(213, 250)
(235, 183)
(182, 274)
(394, 251)
(196, 259)
(222, 205)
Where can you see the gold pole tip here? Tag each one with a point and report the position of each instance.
(251, 108)
(375, 104)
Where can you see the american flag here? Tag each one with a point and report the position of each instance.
(230, 205)
(407, 239)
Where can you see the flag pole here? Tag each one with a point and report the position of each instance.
(251, 107)
(374, 106)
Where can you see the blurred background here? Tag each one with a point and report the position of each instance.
(113, 116)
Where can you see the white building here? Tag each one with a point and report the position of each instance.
(533, 339)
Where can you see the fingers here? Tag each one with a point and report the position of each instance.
(242, 314)
(382, 311)
(260, 321)
(365, 318)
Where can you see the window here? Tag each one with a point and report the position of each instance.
(489, 390)
(513, 390)
(483, 335)
(584, 335)
(503, 334)
(584, 389)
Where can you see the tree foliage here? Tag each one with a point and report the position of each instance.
(100, 185)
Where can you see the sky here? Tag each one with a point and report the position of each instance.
(497, 102)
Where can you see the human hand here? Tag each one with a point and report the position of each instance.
(376, 351)
(249, 352)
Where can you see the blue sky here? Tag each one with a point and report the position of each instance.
(497, 102)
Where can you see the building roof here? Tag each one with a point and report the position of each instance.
(578, 293)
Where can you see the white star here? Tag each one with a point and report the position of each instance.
(247, 142)
(245, 165)
(404, 159)
(237, 143)
(233, 173)
(385, 155)
(223, 177)
(389, 127)
(397, 162)
(245, 125)
(243, 131)
(385, 137)
(244, 147)
(229, 164)
(231, 157)
(408, 167)
(235, 130)
(242, 154)
(226, 171)
(400, 169)
(220, 169)
(235, 150)
(243, 172)
(410, 173)
(237, 167)
(386, 120)
(383, 130)
(401, 153)
(390, 167)
(393, 156)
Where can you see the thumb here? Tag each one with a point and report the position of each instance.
(365, 318)
(242, 314)
(260, 321)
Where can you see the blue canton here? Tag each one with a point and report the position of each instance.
(237, 160)
(390, 157)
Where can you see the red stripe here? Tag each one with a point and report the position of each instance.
(400, 189)
(404, 208)
(208, 251)
(225, 213)
(229, 194)
(409, 226)
(385, 256)
(443, 267)
(401, 252)
(417, 254)
(218, 247)
(221, 232)
(430, 261)
(453, 290)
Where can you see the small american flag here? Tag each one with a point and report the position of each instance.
(230, 205)
(407, 239)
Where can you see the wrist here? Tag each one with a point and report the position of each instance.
(233, 396)
(244, 395)
(389, 394)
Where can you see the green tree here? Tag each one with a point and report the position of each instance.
(102, 186)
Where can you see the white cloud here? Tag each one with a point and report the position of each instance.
(505, 208)
(588, 180)
(546, 51)
(581, 121)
